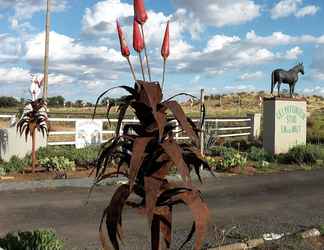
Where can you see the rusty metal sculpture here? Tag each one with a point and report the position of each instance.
(145, 153)
(34, 117)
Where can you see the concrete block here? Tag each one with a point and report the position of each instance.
(284, 124)
(12, 144)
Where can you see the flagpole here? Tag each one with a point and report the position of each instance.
(46, 57)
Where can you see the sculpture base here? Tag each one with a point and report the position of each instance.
(284, 123)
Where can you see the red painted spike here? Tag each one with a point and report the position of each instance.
(165, 50)
(138, 42)
(123, 44)
(140, 12)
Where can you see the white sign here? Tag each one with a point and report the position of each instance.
(88, 132)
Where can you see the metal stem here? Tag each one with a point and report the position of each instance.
(146, 56)
(131, 68)
(47, 34)
(142, 67)
(163, 76)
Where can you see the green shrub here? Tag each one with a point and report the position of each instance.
(2, 171)
(15, 164)
(36, 240)
(259, 155)
(60, 164)
(230, 159)
(86, 154)
(221, 150)
(303, 154)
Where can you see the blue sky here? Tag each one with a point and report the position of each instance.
(220, 45)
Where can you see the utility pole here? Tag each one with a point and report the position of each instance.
(47, 34)
(202, 134)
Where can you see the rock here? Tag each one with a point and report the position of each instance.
(255, 243)
(310, 233)
(236, 246)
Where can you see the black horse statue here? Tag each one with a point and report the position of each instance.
(289, 77)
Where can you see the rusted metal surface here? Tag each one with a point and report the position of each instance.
(146, 152)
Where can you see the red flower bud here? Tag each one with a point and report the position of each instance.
(138, 42)
(123, 44)
(165, 51)
(140, 12)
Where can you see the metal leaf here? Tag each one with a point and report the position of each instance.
(175, 153)
(182, 119)
(113, 214)
(138, 151)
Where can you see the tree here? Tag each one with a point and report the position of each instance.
(56, 101)
(79, 103)
(8, 101)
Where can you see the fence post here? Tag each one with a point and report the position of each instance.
(202, 134)
(255, 126)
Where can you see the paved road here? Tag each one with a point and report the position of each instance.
(268, 203)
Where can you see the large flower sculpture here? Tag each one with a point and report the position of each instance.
(145, 153)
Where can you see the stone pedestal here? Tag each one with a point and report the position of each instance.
(284, 124)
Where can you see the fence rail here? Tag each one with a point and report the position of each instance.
(214, 127)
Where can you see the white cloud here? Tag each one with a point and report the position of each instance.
(14, 75)
(240, 87)
(285, 8)
(218, 42)
(252, 76)
(102, 16)
(293, 53)
(10, 48)
(220, 13)
(279, 38)
(65, 49)
(317, 90)
(25, 9)
(309, 10)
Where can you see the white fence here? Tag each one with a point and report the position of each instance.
(217, 128)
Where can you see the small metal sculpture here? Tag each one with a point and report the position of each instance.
(34, 117)
(289, 77)
(35, 87)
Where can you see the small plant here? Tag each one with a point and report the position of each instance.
(2, 171)
(36, 240)
(232, 159)
(83, 156)
(321, 229)
(15, 164)
(221, 150)
(259, 155)
(303, 154)
(59, 164)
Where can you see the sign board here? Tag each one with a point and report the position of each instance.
(88, 132)
(284, 124)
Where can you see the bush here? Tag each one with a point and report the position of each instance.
(60, 164)
(15, 164)
(303, 154)
(259, 155)
(36, 240)
(229, 158)
(88, 154)
(2, 171)
(221, 150)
